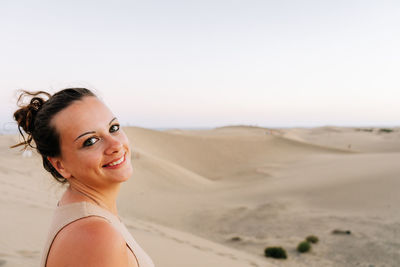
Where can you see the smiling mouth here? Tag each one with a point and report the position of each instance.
(116, 163)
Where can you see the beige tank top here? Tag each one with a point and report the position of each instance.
(69, 213)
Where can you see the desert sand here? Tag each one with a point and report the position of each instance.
(219, 197)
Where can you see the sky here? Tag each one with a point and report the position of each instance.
(194, 64)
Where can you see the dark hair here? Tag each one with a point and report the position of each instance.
(35, 119)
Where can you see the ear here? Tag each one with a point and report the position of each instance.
(59, 166)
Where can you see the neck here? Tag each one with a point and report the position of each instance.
(105, 198)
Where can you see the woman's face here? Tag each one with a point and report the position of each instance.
(94, 149)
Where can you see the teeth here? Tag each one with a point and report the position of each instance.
(116, 162)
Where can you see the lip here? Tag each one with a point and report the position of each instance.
(117, 165)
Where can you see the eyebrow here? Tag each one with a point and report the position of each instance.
(91, 132)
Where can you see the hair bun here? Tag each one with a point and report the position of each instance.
(31, 110)
(36, 103)
(26, 114)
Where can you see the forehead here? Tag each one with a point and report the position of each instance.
(87, 114)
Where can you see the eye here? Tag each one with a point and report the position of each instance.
(90, 141)
(114, 128)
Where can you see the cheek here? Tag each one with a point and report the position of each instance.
(87, 162)
(92, 159)
(125, 141)
(124, 138)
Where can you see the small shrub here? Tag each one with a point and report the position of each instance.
(385, 130)
(370, 130)
(341, 232)
(312, 239)
(275, 252)
(303, 246)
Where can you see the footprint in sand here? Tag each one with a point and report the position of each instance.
(222, 254)
(28, 253)
(233, 257)
(177, 239)
(201, 248)
(2, 262)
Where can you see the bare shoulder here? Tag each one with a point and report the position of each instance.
(90, 241)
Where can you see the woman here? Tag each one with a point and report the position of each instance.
(82, 144)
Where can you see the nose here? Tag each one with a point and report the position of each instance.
(114, 145)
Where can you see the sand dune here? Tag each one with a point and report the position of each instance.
(353, 139)
(192, 191)
(221, 154)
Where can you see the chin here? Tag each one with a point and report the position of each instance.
(127, 176)
(124, 175)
